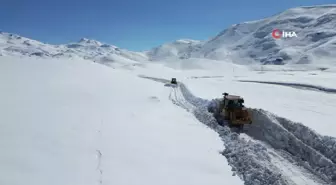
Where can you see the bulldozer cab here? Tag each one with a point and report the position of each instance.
(234, 111)
(231, 101)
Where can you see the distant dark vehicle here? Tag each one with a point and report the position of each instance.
(173, 81)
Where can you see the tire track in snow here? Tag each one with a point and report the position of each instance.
(99, 157)
(177, 98)
(275, 147)
(99, 154)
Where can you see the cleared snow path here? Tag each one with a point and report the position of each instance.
(295, 85)
(273, 150)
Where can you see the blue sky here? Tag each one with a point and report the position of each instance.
(133, 24)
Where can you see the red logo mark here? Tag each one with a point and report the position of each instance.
(276, 34)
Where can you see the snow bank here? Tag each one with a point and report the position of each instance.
(314, 152)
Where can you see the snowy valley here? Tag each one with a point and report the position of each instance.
(66, 119)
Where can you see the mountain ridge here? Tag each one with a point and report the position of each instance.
(248, 42)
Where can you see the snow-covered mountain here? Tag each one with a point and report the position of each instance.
(253, 41)
(244, 43)
(12, 44)
(181, 49)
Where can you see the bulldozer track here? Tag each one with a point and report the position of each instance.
(273, 150)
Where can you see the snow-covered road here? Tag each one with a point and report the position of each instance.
(273, 150)
(296, 85)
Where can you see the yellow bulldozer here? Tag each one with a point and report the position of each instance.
(230, 109)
